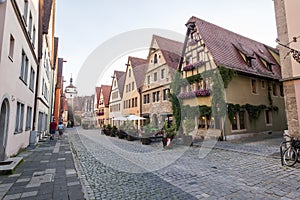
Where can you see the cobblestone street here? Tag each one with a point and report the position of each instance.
(111, 168)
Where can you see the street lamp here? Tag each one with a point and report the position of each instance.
(294, 52)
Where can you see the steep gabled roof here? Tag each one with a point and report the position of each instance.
(139, 67)
(170, 49)
(120, 76)
(98, 92)
(105, 89)
(225, 47)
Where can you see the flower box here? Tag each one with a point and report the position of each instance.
(196, 93)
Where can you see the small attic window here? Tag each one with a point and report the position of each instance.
(155, 58)
(269, 66)
(248, 60)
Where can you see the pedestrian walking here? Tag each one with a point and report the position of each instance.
(60, 130)
(53, 126)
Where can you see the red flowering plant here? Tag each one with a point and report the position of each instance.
(196, 93)
(189, 67)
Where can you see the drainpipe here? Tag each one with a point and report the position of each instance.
(141, 108)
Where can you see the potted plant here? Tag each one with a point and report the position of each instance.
(170, 132)
(114, 131)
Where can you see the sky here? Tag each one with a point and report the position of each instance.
(83, 26)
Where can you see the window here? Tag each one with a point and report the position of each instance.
(11, 47)
(115, 83)
(263, 84)
(32, 78)
(132, 86)
(254, 86)
(146, 98)
(43, 87)
(155, 58)
(28, 118)
(281, 90)
(274, 88)
(249, 61)
(33, 35)
(132, 102)
(40, 122)
(238, 122)
(155, 96)
(129, 87)
(148, 79)
(25, 14)
(129, 72)
(155, 76)
(268, 115)
(19, 118)
(165, 94)
(162, 75)
(30, 25)
(24, 67)
(135, 104)
(129, 103)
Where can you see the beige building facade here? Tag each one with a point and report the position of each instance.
(132, 94)
(163, 60)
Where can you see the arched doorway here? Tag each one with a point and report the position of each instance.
(4, 120)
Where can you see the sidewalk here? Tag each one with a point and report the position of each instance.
(47, 172)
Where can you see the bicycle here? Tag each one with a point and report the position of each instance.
(290, 154)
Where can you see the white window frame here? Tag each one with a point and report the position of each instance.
(19, 118)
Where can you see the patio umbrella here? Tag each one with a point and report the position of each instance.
(120, 118)
(134, 117)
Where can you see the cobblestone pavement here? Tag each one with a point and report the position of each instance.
(118, 169)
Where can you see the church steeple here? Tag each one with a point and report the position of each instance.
(70, 90)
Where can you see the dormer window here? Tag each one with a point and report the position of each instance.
(269, 66)
(248, 60)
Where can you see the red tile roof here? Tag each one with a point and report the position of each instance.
(170, 49)
(120, 76)
(224, 46)
(139, 67)
(105, 90)
(98, 92)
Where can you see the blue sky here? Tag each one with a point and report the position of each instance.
(84, 25)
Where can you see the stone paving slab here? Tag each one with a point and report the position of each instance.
(44, 174)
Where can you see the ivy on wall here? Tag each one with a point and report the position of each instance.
(253, 111)
(227, 75)
(176, 102)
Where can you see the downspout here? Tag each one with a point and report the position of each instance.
(141, 107)
(40, 46)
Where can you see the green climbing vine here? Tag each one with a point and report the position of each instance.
(270, 94)
(176, 102)
(253, 111)
(227, 75)
(232, 109)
